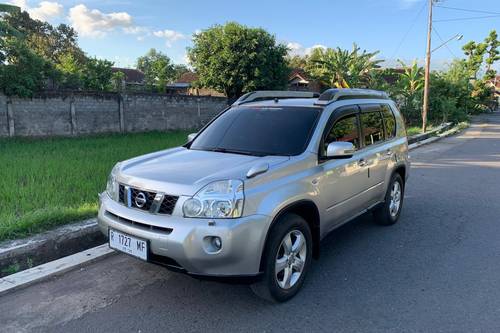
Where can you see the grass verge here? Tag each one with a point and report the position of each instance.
(48, 182)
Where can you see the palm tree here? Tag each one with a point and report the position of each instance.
(342, 68)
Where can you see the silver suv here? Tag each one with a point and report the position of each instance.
(251, 195)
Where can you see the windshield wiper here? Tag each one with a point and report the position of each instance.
(235, 151)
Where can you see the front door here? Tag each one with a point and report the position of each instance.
(342, 181)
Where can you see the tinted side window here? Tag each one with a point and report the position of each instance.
(389, 121)
(373, 128)
(346, 130)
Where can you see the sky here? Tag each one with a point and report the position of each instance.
(121, 30)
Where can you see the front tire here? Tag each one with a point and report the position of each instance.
(287, 257)
(388, 212)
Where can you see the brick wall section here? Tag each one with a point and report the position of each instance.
(96, 114)
(41, 116)
(4, 125)
(53, 114)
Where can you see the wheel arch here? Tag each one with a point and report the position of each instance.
(306, 209)
(401, 170)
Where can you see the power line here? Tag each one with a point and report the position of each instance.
(442, 40)
(468, 10)
(467, 18)
(409, 29)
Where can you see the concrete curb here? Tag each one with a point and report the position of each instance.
(50, 245)
(424, 136)
(36, 274)
(449, 132)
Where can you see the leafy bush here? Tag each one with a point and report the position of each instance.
(25, 71)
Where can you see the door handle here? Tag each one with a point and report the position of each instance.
(362, 162)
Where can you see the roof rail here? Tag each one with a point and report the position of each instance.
(332, 95)
(262, 95)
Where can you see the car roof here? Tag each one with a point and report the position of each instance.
(308, 102)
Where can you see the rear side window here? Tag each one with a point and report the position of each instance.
(372, 127)
(345, 130)
(389, 122)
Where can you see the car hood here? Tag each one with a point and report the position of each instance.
(182, 171)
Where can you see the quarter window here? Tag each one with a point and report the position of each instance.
(345, 130)
(389, 121)
(373, 128)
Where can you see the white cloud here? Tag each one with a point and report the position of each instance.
(94, 23)
(136, 30)
(45, 10)
(140, 32)
(170, 36)
(298, 49)
(317, 46)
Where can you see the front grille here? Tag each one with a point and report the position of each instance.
(168, 204)
(149, 197)
(121, 194)
(144, 200)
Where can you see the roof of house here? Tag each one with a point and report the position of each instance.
(187, 77)
(298, 73)
(131, 75)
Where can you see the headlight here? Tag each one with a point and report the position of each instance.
(220, 199)
(112, 186)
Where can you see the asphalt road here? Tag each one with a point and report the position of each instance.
(437, 270)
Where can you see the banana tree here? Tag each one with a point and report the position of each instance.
(342, 68)
(410, 85)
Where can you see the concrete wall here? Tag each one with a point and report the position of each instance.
(4, 125)
(89, 113)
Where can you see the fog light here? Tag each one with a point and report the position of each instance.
(212, 244)
(216, 243)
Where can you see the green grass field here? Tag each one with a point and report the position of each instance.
(48, 182)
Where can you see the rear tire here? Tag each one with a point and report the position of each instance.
(287, 256)
(388, 212)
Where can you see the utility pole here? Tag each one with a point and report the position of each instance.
(425, 107)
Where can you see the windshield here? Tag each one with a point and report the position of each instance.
(259, 131)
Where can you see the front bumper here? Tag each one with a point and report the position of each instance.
(179, 242)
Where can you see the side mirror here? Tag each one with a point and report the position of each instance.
(192, 136)
(340, 149)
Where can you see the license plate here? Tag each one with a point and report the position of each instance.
(128, 244)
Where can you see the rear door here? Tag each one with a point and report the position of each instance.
(375, 152)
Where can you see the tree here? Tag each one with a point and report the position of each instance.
(411, 80)
(24, 71)
(297, 61)
(97, 74)
(235, 59)
(46, 40)
(409, 86)
(71, 72)
(179, 69)
(342, 68)
(6, 30)
(475, 55)
(492, 53)
(118, 80)
(158, 69)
